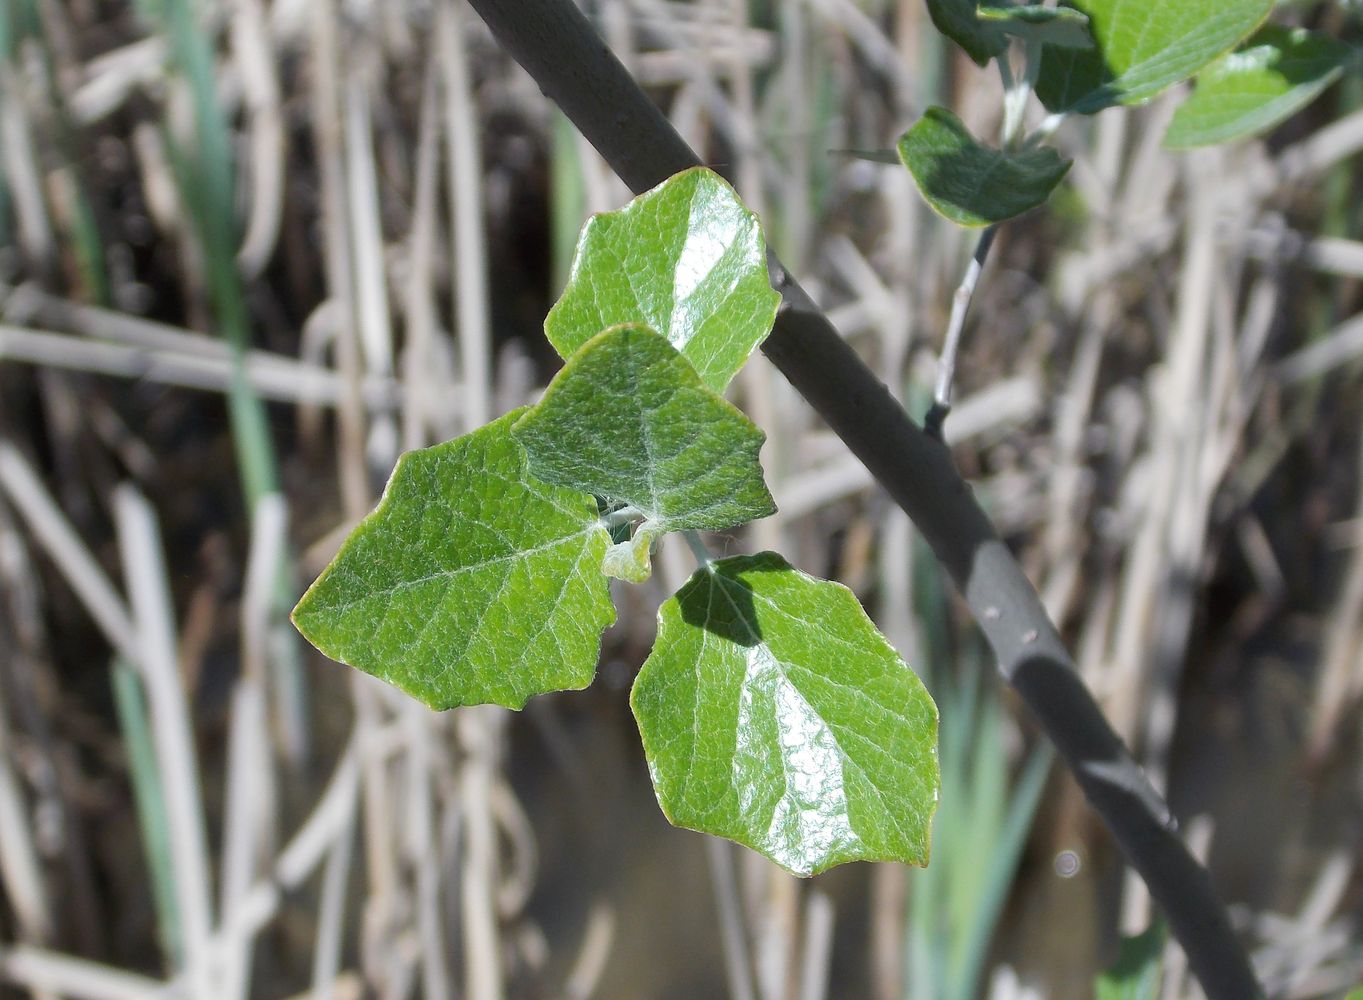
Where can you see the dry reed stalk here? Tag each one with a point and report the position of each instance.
(43, 971)
(172, 731)
(59, 540)
(255, 58)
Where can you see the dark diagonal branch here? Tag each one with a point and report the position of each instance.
(572, 65)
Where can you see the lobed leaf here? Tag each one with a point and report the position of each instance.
(1143, 47)
(628, 418)
(1279, 72)
(470, 583)
(686, 259)
(970, 183)
(774, 714)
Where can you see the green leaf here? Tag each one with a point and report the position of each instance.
(970, 183)
(470, 583)
(628, 418)
(774, 714)
(1136, 973)
(1061, 26)
(957, 20)
(1278, 73)
(632, 559)
(1144, 46)
(686, 259)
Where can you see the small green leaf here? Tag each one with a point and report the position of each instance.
(628, 418)
(774, 714)
(470, 583)
(957, 20)
(970, 183)
(1144, 47)
(632, 559)
(1279, 72)
(1061, 26)
(686, 259)
(1136, 973)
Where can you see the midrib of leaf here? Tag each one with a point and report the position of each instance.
(782, 668)
(450, 574)
(649, 450)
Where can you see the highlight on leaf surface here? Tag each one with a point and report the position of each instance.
(471, 582)
(686, 259)
(970, 183)
(773, 713)
(1143, 47)
(1276, 74)
(629, 419)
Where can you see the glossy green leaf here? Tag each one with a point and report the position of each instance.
(1278, 73)
(629, 419)
(1136, 973)
(1144, 46)
(686, 259)
(1062, 26)
(957, 20)
(970, 183)
(774, 714)
(470, 583)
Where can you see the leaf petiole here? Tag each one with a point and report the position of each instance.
(620, 517)
(699, 549)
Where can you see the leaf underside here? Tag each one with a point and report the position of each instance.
(970, 183)
(774, 714)
(1062, 26)
(1143, 47)
(1278, 72)
(686, 259)
(470, 583)
(628, 418)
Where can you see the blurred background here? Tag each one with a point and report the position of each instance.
(250, 250)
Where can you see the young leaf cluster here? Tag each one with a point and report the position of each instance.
(771, 710)
(1088, 55)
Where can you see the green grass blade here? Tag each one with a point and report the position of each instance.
(131, 705)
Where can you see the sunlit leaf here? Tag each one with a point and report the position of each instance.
(470, 583)
(686, 259)
(1143, 47)
(774, 714)
(629, 419)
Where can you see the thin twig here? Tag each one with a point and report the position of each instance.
(555, 43)
(946, 365)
